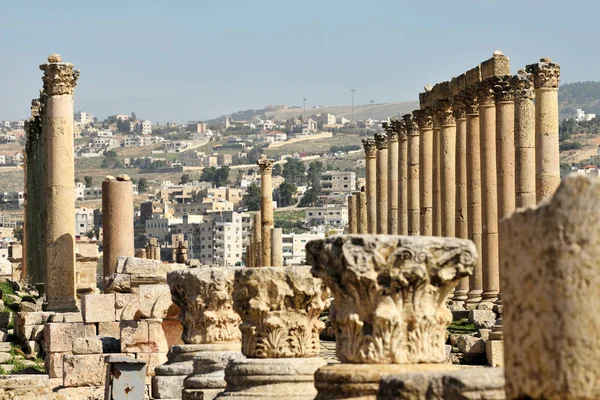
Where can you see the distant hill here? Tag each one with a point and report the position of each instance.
(363, 111)
(584, 95)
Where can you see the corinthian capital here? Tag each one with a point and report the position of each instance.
(369, 146)
(502, 88)
(395, 129)
(522, 85)
(471, 101)
(445, 112)
(265, 165)
(204, 296)
(412, 128)
(381, 140)
(280, 309)
(485, 93)
(423, 118)
(390, 293)
(546, 74)
(59, 78)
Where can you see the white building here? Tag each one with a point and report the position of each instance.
(333, 216)
(84, 118)
(338, 181)
(328, 119)
(294, 247)
(161, 228)
(84, 221)
(268, 124)
(309, 127)
(582, 116)
(144, 127)
(136, 140)
(274, 137)
(342, 120)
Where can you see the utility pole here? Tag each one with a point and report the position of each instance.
(353, 90)
(304, 107)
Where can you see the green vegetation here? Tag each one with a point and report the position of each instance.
(18, 362)
(252, 197)
(290, 221)
(584, 95)
(462, 326)
(217, 176)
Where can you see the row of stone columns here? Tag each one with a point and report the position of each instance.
(478, 148)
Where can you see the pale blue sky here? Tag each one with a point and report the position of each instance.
(198, 59)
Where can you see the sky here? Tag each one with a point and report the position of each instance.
(176, 60)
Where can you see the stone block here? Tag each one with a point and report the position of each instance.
(32, 318)
(153, 360)
(84, 370)
(88, 345)
(98, 307)
(485, 333)
(156, 337)
(149, 295)
(27, 306)
(468, 358)
(482, 318)
(110, 329)
(4, 347)
(5, 357)
(66, 317)
(86, 276)
(134, 337)
(120, 283)
(30, 332)
(7, 367)
(470, 344)
(59, 336)
(3, 335)
(127, 306)
(494, 351)
(173, 330)
(86, 251)
(53, 363)
(168, 387)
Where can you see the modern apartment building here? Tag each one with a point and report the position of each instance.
(338, 182)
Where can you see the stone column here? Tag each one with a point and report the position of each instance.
(250, 252)
(266, 207)
(437, 216)
(505, 145)
(546, 75)
(352, 215)
(371, 189)
(550, 281)
(425, 122)
(393, 149)
(211, 335)
(117, 221)
(398, 287)
(461, 217)
(59, 83)
(447, 168)
(280, 310)
(522, 86)
(474, 194)
(414, 210)
(489, 199)
(403, 178)
(382, 179)
(276, 247)
(257, 240)
(362, 212)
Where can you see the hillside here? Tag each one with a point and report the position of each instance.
(362, 111)
(584, 95)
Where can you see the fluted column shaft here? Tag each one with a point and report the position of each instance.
(546, 76)
(371, 189)
(382, 182)
(392, 184)
(524, 140)
(489, 191)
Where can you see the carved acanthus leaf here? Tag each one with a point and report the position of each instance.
(381, 140)
(424, 118)
(546, 74)
(59, 78)
(502, 88)
(522, 85)
(369, 147)
(265, 165)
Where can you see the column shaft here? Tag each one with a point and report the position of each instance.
(371, 189)
(266, 208)
(505, 146)
(524, 140)
(448, 171)
(352, 215)
(362, 213)
(117, 223)
(437, 217)
(276, 247)
(403, 183)
(382, 185)
(414, 211)
(425, 122)
(392, 184)
(257, 248)
(462, 226)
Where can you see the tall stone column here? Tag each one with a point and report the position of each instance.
(398, 287)
(117, 221)
(414, 210)
(382, 179)
(362, 212)
(425, 122)
(447, 167)
(505, 145)
(371, 189)
(257, 240)
(250, 252)
(461, 215)
(522, 86)
(489, 193)
(276, 247)
(266, 207)
(393, 149)
(549, 259)
(546, 75)
(474, 194)
(402, 178)
(59, 83)
(437, 200)
(352, 215)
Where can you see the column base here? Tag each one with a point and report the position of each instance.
(460, 295)
(489, 296)
(361, 381)
(473, 297)
(208, 378)
(61, 305)
(494, 352)
(277, 378)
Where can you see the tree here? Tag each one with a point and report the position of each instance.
(185, 178)
(90, 234)
(277, 169)
(142, 185)
(310, 198)
(88, 181)
(287, 194)
(252, 198)
(217, 176)
(18, 234)
(315, 173)
(294, 172)
(123, 126)
(133, 117)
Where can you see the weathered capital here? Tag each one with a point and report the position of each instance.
(546, 74)
(412, 128)
(445, 111)
(459, 107)
(369, 146)
(522, 85)
(265, 165)
(280, 309)
(390, 293)
(502, 88)
(471, 101)
(423, 118)
(485, 93)
(59, 78)
(204, 296)
(381, 140)
(395, 129)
